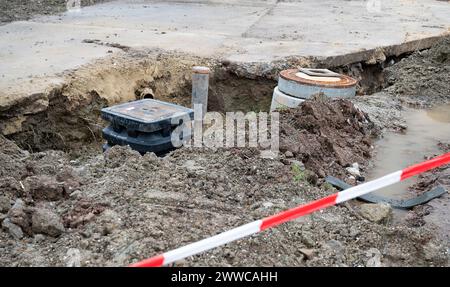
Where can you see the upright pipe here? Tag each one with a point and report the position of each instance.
(200, 83)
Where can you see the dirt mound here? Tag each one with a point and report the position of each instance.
(128, 207)
(424, 77)
(327, 136)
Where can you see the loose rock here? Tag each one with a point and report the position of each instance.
(5, 204)
(47, 222)
(378, 213)
(12, 228)
(44, 188)
(309, 253)
(19, 215)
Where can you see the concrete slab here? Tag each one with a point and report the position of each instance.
(34, 53)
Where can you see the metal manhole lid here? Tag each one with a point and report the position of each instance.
(333, 80)
(145, 115)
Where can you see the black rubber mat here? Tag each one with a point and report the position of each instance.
(397, 203)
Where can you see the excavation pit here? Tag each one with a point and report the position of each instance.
(109, 214)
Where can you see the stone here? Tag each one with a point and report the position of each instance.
(69, 180)
(306, 239)
(309, 253)
(378, 212)
(5, 204)
(190, 165)
(19, 216)
(289, 154)
(77, 194)
(44, 187)
(267, 204)
(353, 171)
(84, 243)
(12, 228)
(38, 238)
(47, 222)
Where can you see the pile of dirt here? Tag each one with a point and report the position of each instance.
(422, 79)
(120, 207)
(328, 136)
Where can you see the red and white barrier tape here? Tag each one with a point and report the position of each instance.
(290, 214)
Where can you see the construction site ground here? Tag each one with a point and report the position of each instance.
(65, 203)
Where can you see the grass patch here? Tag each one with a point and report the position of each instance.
(299, 173)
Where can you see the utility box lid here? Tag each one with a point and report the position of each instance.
(146, 115)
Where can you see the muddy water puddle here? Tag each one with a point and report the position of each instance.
(396, 151)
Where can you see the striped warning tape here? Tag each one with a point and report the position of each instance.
(290, 214)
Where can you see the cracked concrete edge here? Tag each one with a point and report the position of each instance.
(388, 51)
(251, 70)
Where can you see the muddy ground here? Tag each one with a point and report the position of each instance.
(437, 210)
(18, 10)
(420, 80)
(75, 207)
(103, 211)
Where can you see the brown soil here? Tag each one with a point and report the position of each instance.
(68, 116)
(420, 80)
(423, 79)
(121, 207)
(327, 136)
